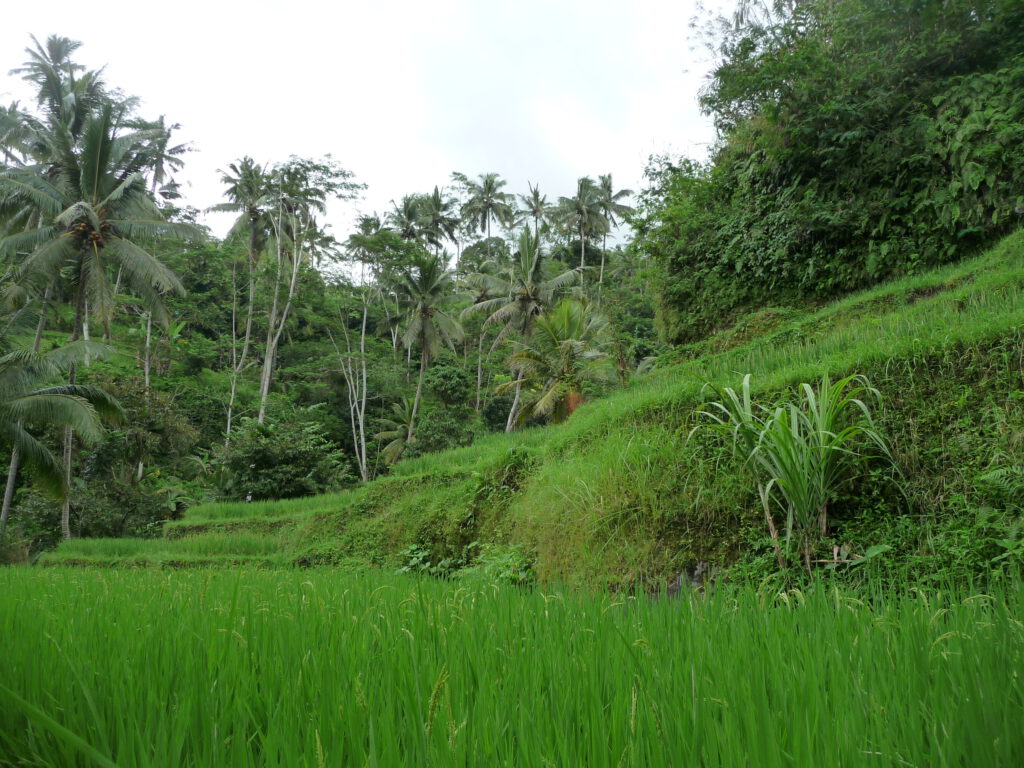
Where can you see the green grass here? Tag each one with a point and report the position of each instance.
(293, 668)
(257, 510)
(210, 549)
(617, 494)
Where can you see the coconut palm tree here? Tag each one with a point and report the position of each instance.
(438, 222)
(397, 430)
(406, 218)
(485, 201)
(93, 210)
(28, 398)
(423, 288)
(582, 214)
(247, 190)
(535, 206)
(514, 300)
(568, 347)
(611, 206)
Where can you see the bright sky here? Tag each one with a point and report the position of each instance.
(400, 92)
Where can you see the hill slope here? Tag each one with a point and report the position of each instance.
(620, 493)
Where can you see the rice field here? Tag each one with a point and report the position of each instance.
(328, 668)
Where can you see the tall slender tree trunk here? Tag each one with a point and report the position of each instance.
(238, 362)
(107, 321)
(276, 327)
(513, 413)
(419, 389)
(12, 471)
(582, 256)
(604, 252)
(148, 352)
(356, 382)
(479, 369)
(69, 433)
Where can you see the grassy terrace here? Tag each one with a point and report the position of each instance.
(258, 668)
(619, 489)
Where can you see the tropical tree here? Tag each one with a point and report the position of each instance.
(397, 430)
(94, 212)
(535, 206)
(568, 348)
(423, 289)
(438, 221)
(514, 300)
(28, 398)
(406, 218)
(299, 190)
(582, 214)
(610, 203)
(247, 190)
(485, 201)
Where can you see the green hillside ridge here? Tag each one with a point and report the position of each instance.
(619, 494)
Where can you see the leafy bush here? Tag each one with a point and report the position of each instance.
(283, 459)
(860, 139)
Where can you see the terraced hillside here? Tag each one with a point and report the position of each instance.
(621, 491)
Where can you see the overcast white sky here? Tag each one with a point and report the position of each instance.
(402, 92)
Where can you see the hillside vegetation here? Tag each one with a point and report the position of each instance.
(621, 493)
(859, 140)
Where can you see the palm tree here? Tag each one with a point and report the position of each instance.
(535, 206)
(568, 348)
(28, 400)
(93, 209)
(423, 289)
(515, 300)
(361, 245)
(438, 221)
(247, 189)
(397, 430)
(609, 202)
(406, 218)
(582, 214)
(486, 201)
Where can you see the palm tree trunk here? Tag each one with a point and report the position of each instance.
(604, 252)
(513, 413)
(238, 361)
(363, 464)
(147, 358)
(419, 390)
(12, 472)
(268, 352)
(582, 256)
(12, 476)
(69, 433)
(479, 369)
(107, 321)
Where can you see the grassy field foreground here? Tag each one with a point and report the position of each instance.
(276, 668)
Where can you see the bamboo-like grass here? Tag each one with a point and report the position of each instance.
(274, 668)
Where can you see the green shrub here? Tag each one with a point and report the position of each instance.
(283, 459)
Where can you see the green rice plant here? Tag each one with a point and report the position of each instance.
(255, 668)
(801, 455)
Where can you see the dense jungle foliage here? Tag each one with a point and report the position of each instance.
(149, 366)
(858, 140)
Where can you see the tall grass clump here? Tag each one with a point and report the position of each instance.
(801, 455)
